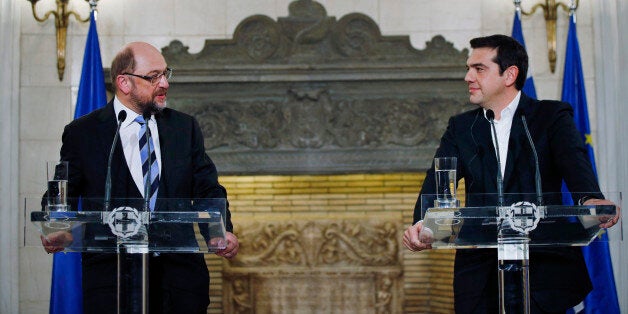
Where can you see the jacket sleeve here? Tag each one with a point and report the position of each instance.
(206, 183)
(570, 155)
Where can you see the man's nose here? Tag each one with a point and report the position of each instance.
(163, 82)
(468, 77)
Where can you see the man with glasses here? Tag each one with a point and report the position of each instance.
(179, 283)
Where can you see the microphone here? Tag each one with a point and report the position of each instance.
(107, 201)
(537, 175)
(147, 182)
(490, 115)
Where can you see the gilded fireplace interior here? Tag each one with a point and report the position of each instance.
(322, 129)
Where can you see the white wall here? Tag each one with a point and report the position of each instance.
(9, 77)
(46, 105)
(611, 60)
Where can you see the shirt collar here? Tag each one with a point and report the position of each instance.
(130, 114)
(509, 112)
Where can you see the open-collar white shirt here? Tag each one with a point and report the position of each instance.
(502, 127)
(129, 131)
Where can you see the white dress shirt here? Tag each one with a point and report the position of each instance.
(130, 142)
(502, 127)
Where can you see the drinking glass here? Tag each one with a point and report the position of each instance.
(57, 174)
(445, 171)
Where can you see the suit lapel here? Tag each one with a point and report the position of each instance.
(518, 142)
(515, 143)
(107, 128)
(167, 146)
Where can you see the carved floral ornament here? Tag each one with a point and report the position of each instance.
(295, 265)
(318, 243)
(304, 121)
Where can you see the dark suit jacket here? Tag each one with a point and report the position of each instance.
(562, 156)
(186, 172)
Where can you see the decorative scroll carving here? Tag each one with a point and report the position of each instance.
(241, 295)
(318, 243)
(311, 119)
(311, 37)
(348, 265)
(259, 36)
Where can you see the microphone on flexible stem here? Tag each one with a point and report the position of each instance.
(107, 201)
(147, 182)
(490, 115)
(537, 175)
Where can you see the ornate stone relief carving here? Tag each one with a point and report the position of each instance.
(318, 243)
(351, 265)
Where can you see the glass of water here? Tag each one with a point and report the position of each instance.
(57, 174)
(445, 171)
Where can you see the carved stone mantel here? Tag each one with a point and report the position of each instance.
(308, 93)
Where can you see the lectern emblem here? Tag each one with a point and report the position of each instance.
(523, 216)
(125, 222)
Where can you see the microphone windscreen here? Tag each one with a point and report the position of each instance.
(490, 115)
(146, 115)
(122, 116)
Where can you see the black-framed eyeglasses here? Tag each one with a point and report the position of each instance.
(153, 79)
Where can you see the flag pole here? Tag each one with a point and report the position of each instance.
(66, 291)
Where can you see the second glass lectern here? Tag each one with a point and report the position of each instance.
(512, 229)
(176, 226)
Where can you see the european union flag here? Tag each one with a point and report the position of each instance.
(603, 298)
(66, 293)
(517, 34)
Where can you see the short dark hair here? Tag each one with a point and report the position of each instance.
(123, 62)
(509, 52)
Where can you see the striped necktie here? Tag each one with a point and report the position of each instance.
(146, 147)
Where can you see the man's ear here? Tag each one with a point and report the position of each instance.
(124, 84)
(511, 74)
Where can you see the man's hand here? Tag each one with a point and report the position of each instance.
(56, 241)
(411, 238)
(611, 222)
(232, 246)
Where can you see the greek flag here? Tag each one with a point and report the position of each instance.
(517, 34)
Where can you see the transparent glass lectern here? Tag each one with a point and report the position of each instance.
(512, 229)
(176, 226)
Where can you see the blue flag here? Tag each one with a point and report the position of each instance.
(517, 34)
(66, 292)
(603, 298)
(91, 93)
